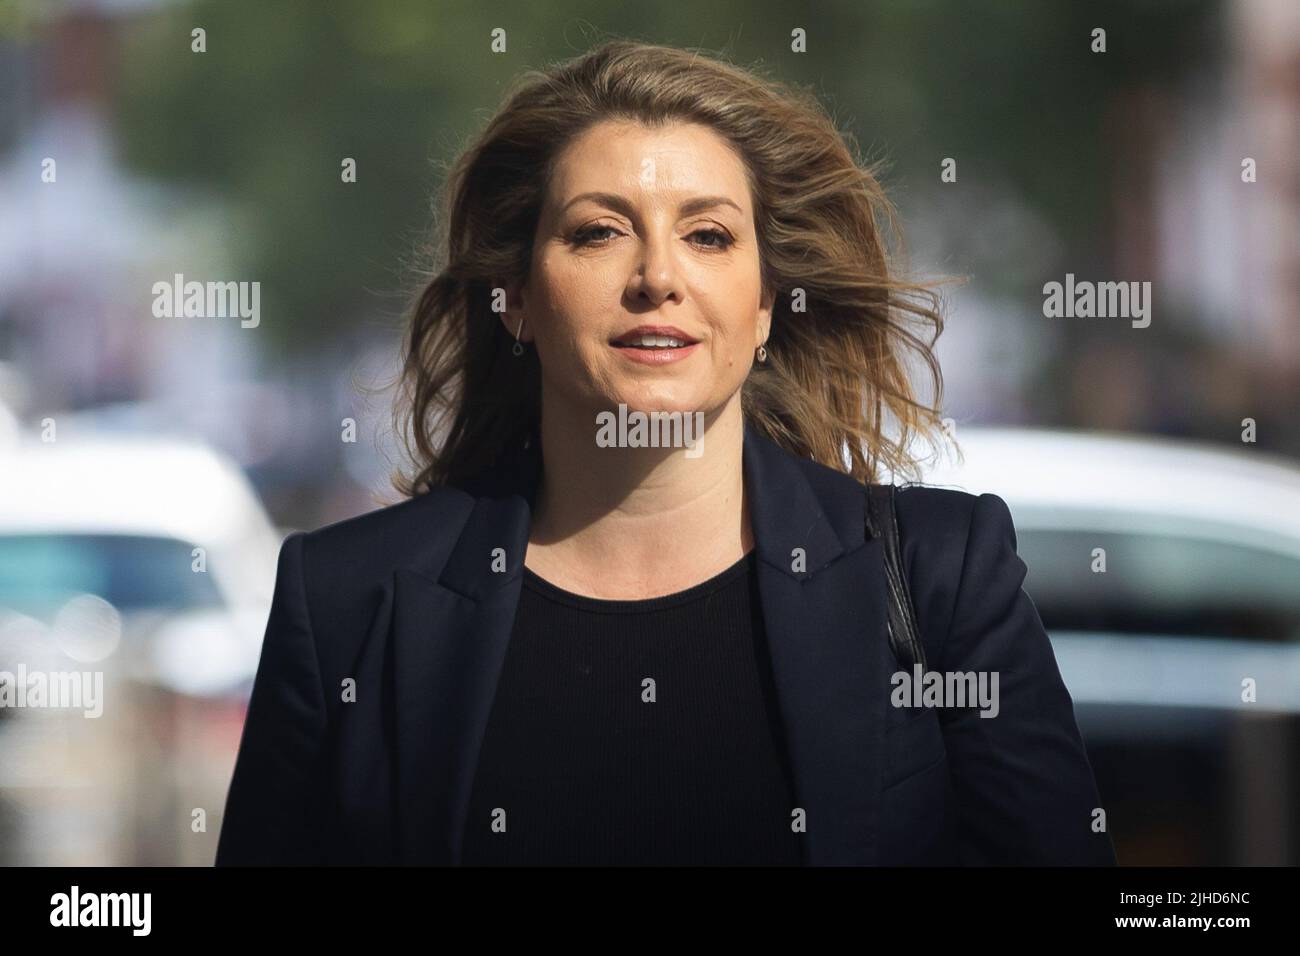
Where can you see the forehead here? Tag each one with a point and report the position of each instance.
(622, 155)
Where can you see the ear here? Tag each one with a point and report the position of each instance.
(516, 311)
(765, 307)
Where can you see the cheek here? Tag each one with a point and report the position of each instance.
(739, 288)
(734, 305)
(580, 296)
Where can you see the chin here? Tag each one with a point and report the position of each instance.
(641, 400)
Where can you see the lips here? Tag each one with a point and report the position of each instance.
(650, 337)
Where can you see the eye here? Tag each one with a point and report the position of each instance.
(587, 237)
(724, 241)
(592, 236)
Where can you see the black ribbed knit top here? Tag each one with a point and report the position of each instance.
(635, 732)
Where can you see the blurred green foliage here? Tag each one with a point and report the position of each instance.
(287, 89)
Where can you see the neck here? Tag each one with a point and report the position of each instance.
(624, 519)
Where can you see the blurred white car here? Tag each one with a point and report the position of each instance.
(1201, 587)
(1183, 655)
(147, 566)
(163, 540)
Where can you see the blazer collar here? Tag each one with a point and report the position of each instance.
(785, 514)
(822, 594)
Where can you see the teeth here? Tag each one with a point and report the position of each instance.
(656, 341)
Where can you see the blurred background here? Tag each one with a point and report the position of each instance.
(150, 466)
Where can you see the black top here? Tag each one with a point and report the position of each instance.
(635, 732)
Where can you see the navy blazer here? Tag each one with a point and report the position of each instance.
(387, 633)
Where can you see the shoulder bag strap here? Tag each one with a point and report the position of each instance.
(904, 635)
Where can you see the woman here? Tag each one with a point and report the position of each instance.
(573, 645)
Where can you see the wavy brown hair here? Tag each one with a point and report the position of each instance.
(836, 380)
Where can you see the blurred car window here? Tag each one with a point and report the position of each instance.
(1161, 584)
(131, 572)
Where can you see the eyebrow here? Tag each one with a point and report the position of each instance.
(620, 204)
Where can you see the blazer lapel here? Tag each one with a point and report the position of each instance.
(830, 655)
(823, 605)
(450, 639)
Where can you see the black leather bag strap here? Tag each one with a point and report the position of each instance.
(882, 522)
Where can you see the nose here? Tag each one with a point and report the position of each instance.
(657, 276)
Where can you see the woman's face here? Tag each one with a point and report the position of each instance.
(645, 228)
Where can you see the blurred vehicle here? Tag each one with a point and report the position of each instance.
(151, 563)
(1167, 575)
(169, 533)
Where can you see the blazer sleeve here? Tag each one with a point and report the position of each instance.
(1025, 791)
(272, 813)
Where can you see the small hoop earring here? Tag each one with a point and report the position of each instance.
(762, 354)
(518, 347)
